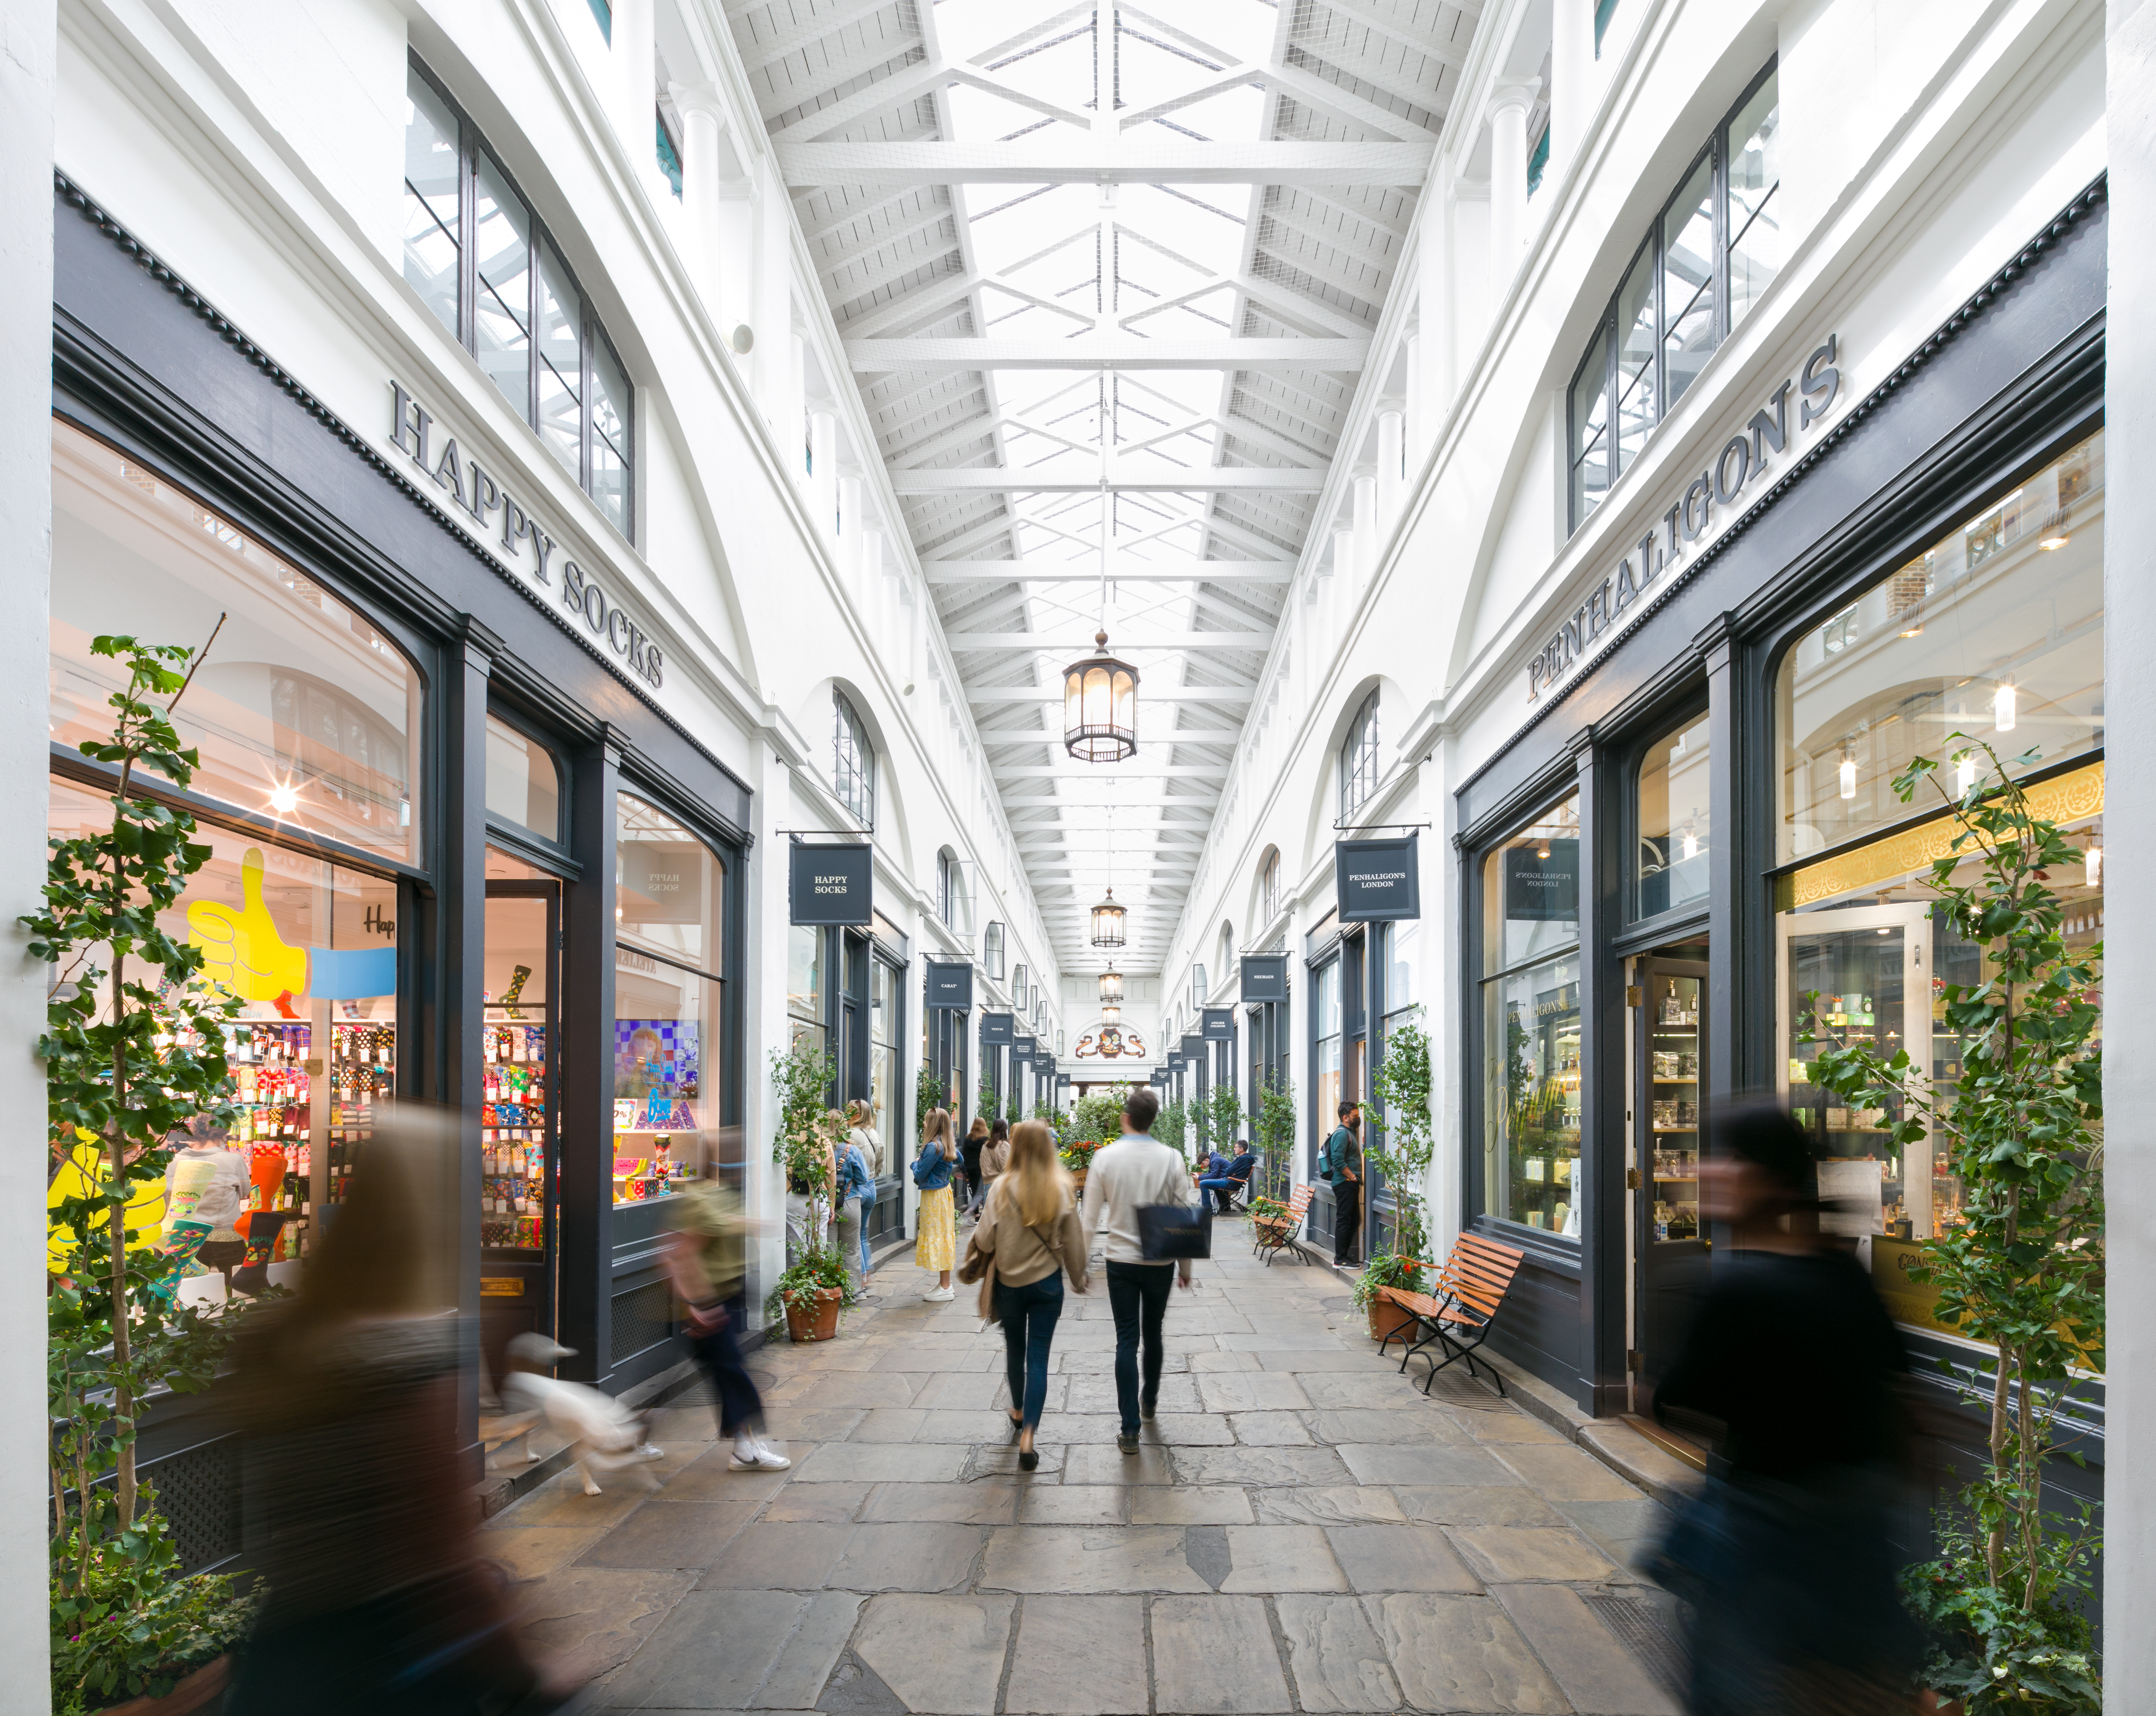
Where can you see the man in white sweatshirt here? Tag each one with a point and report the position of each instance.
(1136, 1170)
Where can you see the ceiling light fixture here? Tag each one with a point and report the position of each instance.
(2005, 707)
(1848, 773)
(1110, 922)
(1101, 707)
(1112, 985)
(283, 799)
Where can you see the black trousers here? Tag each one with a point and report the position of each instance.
(718, 1355)
(1347, 1220)
(1137, 1293)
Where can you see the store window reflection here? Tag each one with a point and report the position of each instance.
(303, 712)
(1531, 1024)
(1995, 631)
(806, 993)
(668, 902)
(1674, 802)
(1326, 1068)
(523, 786)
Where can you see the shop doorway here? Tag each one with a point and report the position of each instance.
(519, 1128)
(1667, 1112)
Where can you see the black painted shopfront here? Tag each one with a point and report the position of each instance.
(490, 873)
(1694, 835)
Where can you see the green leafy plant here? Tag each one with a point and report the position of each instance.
(132, 1626)
(1270, 1212)
(2021, 1268)
(1388, 1269)
(928, 1096)
(1401, 1089)
(1223, 1115)
(1097, 1116)
(984, 1105)
(1172, 1127)
(1015, 1113)
(1275, 1128)
(801, 1284)
(1077, 1155)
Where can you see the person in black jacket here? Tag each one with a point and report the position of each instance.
(1792, 1371)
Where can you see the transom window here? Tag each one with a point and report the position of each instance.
(854, 761)
(1358, 759)
(1715, 248)
(476, 253)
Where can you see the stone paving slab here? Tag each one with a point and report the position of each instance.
(1302, 1530)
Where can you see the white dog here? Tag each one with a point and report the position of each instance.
(604, 1435)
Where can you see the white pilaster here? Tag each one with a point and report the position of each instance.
(823, 471)
(850, 531)
(1369, 540)
(1509, 102)
(636, 80)
(1434, 254)
(1391, 447)
(1572, 81)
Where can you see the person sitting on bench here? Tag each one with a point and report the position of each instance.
(1223, 1182)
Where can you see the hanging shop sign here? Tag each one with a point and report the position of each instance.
(950, 985)
(1219, 1024)
(1063, 1081)
(1194, 1050)
(503, 529)
(996, 1028)
(1378, 882)
(1264, 979)
(1699, 515)
(828, 885)
(1542, 881)
(1023, 1047)
(1158, 1075)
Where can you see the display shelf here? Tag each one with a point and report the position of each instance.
(516, 1132)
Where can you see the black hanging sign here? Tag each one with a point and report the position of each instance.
(1022, 1047)
(1264, 979)
(996, 1028)
(1158, 1075)
(950, 985)
(1542, 881)
(831, 883)
(1193, 1050)
(1378, 882)
(1219, 1022)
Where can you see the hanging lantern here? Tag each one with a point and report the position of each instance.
(1111, 1015)
(1101, 707)
(1112, 985)
(1108, 920)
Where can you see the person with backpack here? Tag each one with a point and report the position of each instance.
(1340, 1166)
(935, 1244)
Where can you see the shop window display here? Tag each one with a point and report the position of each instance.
(516, 1126)
(304, 713)
(806, 997)
(1531, 1023)
(667, 1000)
(1675, 823)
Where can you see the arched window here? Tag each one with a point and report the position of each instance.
(947, 888)
(1197, 987)
(1227, 947)
(853, 771)
(1269, 887)
(1358, 757)
(992, 951)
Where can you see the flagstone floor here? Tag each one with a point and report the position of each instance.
(1302, 1530)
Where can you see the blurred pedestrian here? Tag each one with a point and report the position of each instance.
(995, 1156)
(377, 1598)
(1136, 1171)
(977, 1140)
(705, 1258)
(1032, 1237)
(935, 1242)
(1792, 1370)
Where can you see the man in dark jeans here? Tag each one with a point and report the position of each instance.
(1136, 1170)
(1345, 1154)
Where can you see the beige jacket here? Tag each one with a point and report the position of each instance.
(1024, 1254)
(994, 1159)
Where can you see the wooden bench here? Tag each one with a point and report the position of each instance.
(1236, 1183)
(1275, 1234)
(1457, 1316)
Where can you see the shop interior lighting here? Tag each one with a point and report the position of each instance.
(1848, 773)
(283, 799)
(2005, 706)
(2056, 533)
(1690, 844)
(2092, 865)
(1964, 774)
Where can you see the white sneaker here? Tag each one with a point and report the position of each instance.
(761, 1457)
(938, 1296)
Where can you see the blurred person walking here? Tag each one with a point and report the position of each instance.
(1029, 1237)
(376, 1596)
(705, 1258)
(935, 1241)
(1792, 1368)
(1136, 1171)
(977, 1140)
(995, 1157)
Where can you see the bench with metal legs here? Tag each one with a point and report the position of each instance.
(1456, 1318)
(1276, 1234)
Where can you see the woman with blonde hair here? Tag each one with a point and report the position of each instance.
(1031, 1236)
(937, 1245)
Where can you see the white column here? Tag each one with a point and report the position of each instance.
(823, 472)
(1392, 448)
(778, 362)
(1434, 254)
(850, 531)
(710, 169)
(735, 264)
(2129, 1079)
(1369, 540)
(636, 81)
(1334, 603)
(1572, 82)
(1435, 987)
(1509, 102)
(1418, 402)
(27, 82)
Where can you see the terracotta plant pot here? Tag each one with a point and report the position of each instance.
(819, 1324)
(1387, 1320)
(197, 1691)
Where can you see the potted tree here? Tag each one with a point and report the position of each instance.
(813, 1288)
(134, 1051)
(1388, 1269)
(2021, 1269)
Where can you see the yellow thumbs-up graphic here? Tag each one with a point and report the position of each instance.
(241, 949)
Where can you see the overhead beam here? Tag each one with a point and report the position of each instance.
(1069, 651)
(1162, 571)
(1106, 351)
(1163, 694)
(1181, 771)
(1125, 475)
(1069, 157)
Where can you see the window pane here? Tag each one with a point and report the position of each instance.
(302, 710)
(670, 157)
(1590, 428)
(561, 370)
(1531, 1108)
(667, 899)
(666, 1062)
(501, 241)
(1754, 155)
(1672, 856)
(430, 199)
(1638, 404)
(1688, 281)
(805, 1000)
(1531, 889)
(522, 785)
(1996, 633)
(610, 448)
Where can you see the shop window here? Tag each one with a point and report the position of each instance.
(992, 951)
(669, 931)
(1670, 858)
(1328, 1071)
(807, 990)
(1358, 759)
(1531, 1023)
(1995, 631)
(1715, 248)
(523, 783)
(479, 259)
(853, 761)
(884, 994)
(305, 714)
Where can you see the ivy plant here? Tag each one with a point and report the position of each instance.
(2021, 1268)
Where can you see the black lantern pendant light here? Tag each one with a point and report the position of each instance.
(1112, 985)
(1109, 920)
(1101, 707)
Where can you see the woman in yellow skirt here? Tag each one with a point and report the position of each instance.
(937, 1246)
